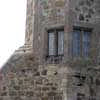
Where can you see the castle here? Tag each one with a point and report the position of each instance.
(60, 59)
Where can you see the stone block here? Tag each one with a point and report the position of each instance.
(3, 93)
(45, 89)
(21, 93)
(29, 93)
(44, 72)
(13, 93)
(16, 87)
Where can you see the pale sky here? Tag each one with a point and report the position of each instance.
(12, 27)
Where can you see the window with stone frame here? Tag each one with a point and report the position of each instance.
(56, 42)
(81, 42)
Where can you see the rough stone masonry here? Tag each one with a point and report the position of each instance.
(31, 73)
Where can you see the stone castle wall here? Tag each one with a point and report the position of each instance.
(51, 14)
(24, 78)
(27, 75)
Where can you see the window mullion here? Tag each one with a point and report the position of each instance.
(56, 41)
(81, 43)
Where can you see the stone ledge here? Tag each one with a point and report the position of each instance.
(24, 49)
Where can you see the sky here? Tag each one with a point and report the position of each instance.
(12, 27)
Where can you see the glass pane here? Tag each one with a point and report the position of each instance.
(52, 46)
(60, 42)
(86, 43)
(76, 43)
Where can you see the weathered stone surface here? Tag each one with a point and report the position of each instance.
(30, 75)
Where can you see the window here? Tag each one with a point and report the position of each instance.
(81, 42)
(56, 42)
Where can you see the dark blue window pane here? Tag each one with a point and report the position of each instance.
(86, 43)
(76, 43)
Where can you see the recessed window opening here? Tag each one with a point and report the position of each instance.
(81, 42)
(56, 42)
